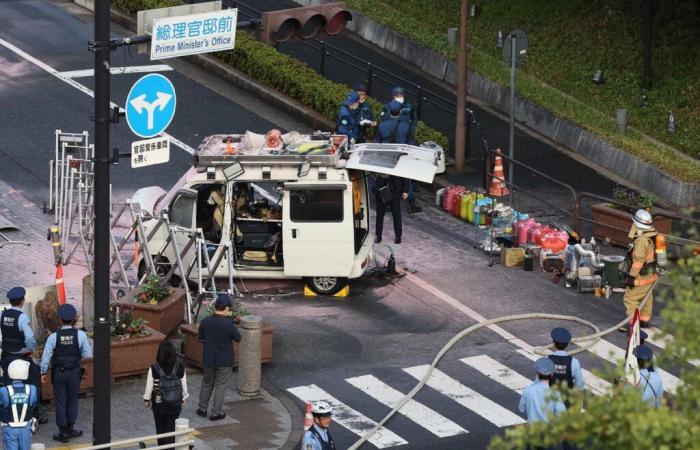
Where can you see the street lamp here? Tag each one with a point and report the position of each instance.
(671, 126)
(643, 101)
(499, 39)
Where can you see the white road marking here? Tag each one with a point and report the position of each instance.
(422, 415)
(349, 418)
(466, 397)
(78, 86)
(594, 383)
(656, 338)
(613, 353)
(118, 70)
(498, 372)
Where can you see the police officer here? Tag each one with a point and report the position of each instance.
(641, 260)
(346, 120)
(318, 437)
(363, 114)
(64, 350)
(17, 336)
(536, 401)
(17, 402)
(567, 369)
(650, 383)
(407, 114)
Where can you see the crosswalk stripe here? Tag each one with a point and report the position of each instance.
(498, 372)
(422, 415)
(466, 397)
(614, 354)
(656, 338)
(594, 383)
(348, 417)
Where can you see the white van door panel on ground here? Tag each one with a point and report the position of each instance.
(317, 229)
(401, 160)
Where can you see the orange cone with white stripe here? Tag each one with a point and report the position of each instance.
(308, 418)
(60, 287)
(136, 248)
(498, 185)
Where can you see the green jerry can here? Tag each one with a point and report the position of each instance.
(470, 205)
(464, 205)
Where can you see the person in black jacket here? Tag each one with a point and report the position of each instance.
(217, 332)
(397, 191)
(164, 414)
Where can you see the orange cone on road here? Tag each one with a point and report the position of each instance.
(60, 287)
(308, 418)
(498, 185)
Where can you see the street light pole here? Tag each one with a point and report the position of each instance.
(461, 130)
(101, 426)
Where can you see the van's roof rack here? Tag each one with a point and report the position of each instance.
(319, 148)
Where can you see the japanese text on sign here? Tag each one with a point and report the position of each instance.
(150, 152)
(196, 33)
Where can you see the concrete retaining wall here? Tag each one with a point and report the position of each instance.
(594, 148)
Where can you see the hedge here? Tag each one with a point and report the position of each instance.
(285, 74)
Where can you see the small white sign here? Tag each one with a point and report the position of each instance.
(197, 33)
(150, 152)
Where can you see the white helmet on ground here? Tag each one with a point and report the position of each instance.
(321, 408)
(642, 219)
(18, 369)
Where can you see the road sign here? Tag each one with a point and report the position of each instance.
(520, 47)
(150, 152)
(197, 33)
(150, 105)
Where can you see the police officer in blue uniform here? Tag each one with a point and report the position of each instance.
(17, 336)
(407, 114)
(64, 350)
(567, 369)
(17, 402)
(393, 130)
(536, 401)
(346, 123)
(363, 114)
(318, 437)
(650, 384)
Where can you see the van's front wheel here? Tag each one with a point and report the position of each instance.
(326, 285)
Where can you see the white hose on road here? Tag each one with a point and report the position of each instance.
(595, 337)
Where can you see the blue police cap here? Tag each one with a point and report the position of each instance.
(642, 335)
(353, 97)
(394, 107)
(544, 366)
(397, 90)
(644, 353)
(223, 300)
(561, 335)
(67, 312)
(16, 293)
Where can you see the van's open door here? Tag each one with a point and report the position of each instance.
(401, 160)
(317, 229)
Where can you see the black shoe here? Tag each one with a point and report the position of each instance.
(643, 324)
(414, 209)
(72, 433)
(378, 239)
(201, 413)
(61, 436)
(397, 240)
(42, 420)
(142, 445)
(217, 417)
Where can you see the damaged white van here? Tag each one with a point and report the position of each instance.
(292, 207)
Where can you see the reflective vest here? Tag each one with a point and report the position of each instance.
(66, 354)
(562, 370)
(12, 336)
(330, 445)
(19, 413)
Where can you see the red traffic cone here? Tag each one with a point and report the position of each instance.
(308, 418)
(60, 287)
(498, 186)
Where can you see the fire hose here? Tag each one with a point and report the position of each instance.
(595, 337)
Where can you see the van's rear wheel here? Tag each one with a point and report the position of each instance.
(326, 285)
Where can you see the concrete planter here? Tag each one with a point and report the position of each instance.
(613, 224)
(164, 316)
(131, 356)
(194, 350)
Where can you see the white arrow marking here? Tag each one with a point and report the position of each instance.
(140, 103)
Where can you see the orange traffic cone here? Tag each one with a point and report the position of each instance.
(136, 248)
(498, 186)
(308, 418)
(60, 287)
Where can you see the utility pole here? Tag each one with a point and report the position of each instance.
(461, 130)
(101, 426)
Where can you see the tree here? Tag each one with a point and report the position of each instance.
(621, 420)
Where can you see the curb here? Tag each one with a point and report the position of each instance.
(293, 440)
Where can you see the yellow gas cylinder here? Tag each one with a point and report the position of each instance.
(464, 205)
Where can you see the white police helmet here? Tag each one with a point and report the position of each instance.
(18, 369)
(321, 408)
(642, 219)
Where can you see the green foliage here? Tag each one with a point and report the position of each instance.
(621, 421)
(153, 290)
(557, 73)
(632, 198)
(132, 6)
(124, 325)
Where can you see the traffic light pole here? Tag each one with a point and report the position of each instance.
(101, 425)
(461, 130)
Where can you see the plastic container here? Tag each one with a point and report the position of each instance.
(464, 204)
(451, 197)
(522, 227)
(471, 201)
(481, 208)
(531, 232)
(457, 204)
(439, 196)
(539, 234)
(554, 241)
(611, 270)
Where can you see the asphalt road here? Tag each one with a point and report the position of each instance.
(364, 350)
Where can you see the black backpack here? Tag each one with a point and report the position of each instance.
(169, 388)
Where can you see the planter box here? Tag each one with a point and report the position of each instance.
(131, 356)
(165, 316)
(614, 224)
(194, 350)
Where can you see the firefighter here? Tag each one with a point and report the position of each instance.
(363, 114)
(346, 120)
(318, 437)
(642, 268)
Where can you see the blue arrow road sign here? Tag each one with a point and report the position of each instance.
(150, 105)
